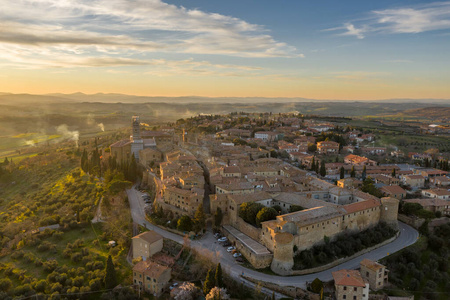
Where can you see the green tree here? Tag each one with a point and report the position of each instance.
(199, 218)
(313, 163)
(363, 176)
(342, 173)
(352, 172)
(265, 214)
(218, 278)
(393, 173)
(5, 284)
(218, 216)
(209, 282)
(110, 274)
(323, 170)
(316, 285)
(184, 223)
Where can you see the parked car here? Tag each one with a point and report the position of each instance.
(231, 248)
(173, 285)
(237, 254)
(226, 244)
(222, 239)
(217, 235)
(239, 260)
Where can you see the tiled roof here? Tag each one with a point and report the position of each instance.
(360, 206)
(393, 189)
(149, 236)
(348, 277)
(151, 269)
(373, 265)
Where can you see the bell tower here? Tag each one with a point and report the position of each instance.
(137, 144)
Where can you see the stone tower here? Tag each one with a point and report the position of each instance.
(283, 253)
(137, 144)
(389, 211)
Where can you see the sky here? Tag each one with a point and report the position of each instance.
(326, 49)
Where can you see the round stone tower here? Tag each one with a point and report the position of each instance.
(283, 253)
(389, 211)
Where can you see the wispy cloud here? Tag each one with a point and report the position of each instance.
(415, 19)
(121, 32)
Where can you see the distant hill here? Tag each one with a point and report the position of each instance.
(123, 98)
(429, 112)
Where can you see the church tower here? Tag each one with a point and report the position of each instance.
(137, 142)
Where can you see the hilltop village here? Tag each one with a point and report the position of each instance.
(277, 187)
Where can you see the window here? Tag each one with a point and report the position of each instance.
(355, 289)
(354, 297)
(344, 297)
(345, 288)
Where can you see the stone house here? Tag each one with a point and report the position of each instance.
(414, 181)
(376, 274)
(394, 191)
(328, 147)
(350, 285)
(151, 277)
(147, 244)
(442, 194)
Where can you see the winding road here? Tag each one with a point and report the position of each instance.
(407, 236)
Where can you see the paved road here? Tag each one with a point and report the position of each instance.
(408, 236)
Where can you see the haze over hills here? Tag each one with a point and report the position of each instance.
(123, 98)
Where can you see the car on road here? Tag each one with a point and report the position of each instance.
(173, 286)
(237, 254)
(231, 248)
(239, 260)
(222, 239)
(217, 235)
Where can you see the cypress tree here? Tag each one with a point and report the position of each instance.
(209, 282)
(323, 170)
(393, 173)
(364, 173)
(313, 164)
(342, 173)
(110, 275)
(219, 277)
(199, 218)
(352, 172)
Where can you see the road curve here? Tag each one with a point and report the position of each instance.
(407, 236)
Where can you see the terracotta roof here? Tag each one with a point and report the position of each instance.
(393, 189)
(348, 277)
(151, 269)
(414, 176)
(149, 236)
(232, 169)
(438, 192)
(428, 202)
(373, 265)
(359, 206)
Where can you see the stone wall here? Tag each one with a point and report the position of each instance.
(411, 221)
(257, 261)
(247, 229)
(341, 260)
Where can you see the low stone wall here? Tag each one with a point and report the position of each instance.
(341, 260)
(291, 291)
(411, 221)
(247, 229)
